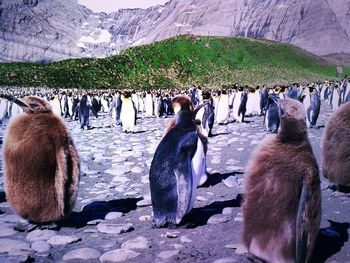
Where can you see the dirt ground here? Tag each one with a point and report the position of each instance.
(115, 170)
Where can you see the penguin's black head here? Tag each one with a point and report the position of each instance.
(182, 102)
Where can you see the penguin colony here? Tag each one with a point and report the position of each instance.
(282, 206)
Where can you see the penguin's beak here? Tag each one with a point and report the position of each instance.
(20, 103)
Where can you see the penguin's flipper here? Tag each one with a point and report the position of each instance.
(301, 234)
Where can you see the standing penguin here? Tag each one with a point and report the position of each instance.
(282, 207)
(272, 118)
(205, 113)
(41, 165)
(313, 110)
(243, 106)
(336, 147)
(223, 109)
(128, 113)
(177, 167)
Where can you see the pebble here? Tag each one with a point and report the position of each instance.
(82, 253)
(137, 243)
(173, 234)
(14, 247)
(137, 170)
(225, 260)
(63, 240)
(118, 255)
(230, 182)
(118, 170)
(240, 249)
(168, 254)
(40, 246)
(41, 235)
(114, 228)
(185, 239)
(10, 219)
(6, 231)
(202, 199)
(144, 203)
(218, 219)
(228, 211)
(113, 215)
(145, 218)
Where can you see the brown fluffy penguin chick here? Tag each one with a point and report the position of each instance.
(282, 207)
(41, 165)
(336, 147)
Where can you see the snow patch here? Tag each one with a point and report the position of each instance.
(98, 36)
(180, 25)
(138, 42)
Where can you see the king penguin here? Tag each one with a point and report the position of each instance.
(177, 167)
(41, 164)
(336, 147)
(282, 206)
(272, 119)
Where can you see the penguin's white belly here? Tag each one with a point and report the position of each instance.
(223, 110)
(3, 109)
(250, 105)
(236, 103)
(187, 193)
(70, 107)
(199, 176)
(199, 116)
(256, 103)
(56, 108)
(149, 107)
(16, 110)
(104, 105)
(127, 117)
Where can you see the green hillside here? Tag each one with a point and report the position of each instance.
(178, 62)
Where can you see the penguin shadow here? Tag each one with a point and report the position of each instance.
(2, 197)
(330, 240)
(137, 132)
(216, 178)
(218, 134)
(200, 216)
(98, 210)
(340, 188)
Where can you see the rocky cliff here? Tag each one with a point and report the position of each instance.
(44, 30)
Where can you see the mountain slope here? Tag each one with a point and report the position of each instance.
(42, 30)
(178, 62)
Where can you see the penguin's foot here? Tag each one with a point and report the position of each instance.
(164, 222)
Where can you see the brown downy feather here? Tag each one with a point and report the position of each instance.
(274, 179)
(41, 165)
(336, 147)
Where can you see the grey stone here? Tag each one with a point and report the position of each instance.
(225, 260)
(218, 219)
(108, 228)
(168, 254)
(63, 240)
(6, 231)
(113, 215)
(41, 235)
(40, 246)
(137, 243)
(82, 254)
(118, 255)
(14, 247)
(230, 182)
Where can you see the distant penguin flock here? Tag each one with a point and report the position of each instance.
(282, 195)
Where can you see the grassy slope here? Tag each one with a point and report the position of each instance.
(178, 62)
